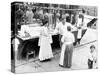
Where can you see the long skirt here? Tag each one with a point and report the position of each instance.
(66, 55)
(45, 49)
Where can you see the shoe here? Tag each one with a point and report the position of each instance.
(61, 65)
(68, 66)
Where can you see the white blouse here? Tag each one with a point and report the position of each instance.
(92, 56)
(44, 32)
(68, 38)
(61, 29)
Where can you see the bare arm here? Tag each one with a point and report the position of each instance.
(73, 38)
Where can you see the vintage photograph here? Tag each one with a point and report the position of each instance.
(49, 37)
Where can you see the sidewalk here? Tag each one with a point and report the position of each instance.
(79, 60)
(80, 55)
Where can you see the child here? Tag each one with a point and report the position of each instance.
(92, 60)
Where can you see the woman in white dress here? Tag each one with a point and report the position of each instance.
(45, 41)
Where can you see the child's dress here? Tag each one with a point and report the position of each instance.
(45, 45)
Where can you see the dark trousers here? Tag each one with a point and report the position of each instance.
(68, 56)
(78, 40)
(60, 36)
(90, 64)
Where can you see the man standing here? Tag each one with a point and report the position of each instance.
(67, 48)
(61, 28)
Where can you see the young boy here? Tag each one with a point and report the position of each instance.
(92, 60)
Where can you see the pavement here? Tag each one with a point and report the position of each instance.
(79, 60)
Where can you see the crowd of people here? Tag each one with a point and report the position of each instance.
(62, 26)
(66, 39)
